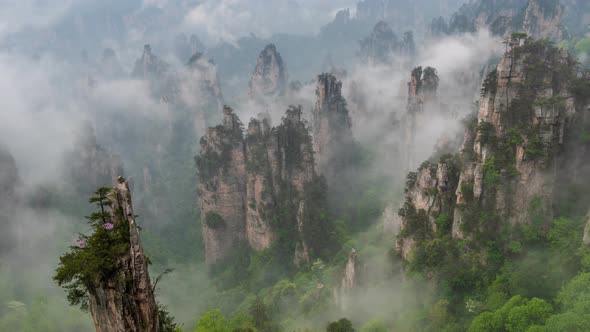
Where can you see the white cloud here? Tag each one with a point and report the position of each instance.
(231, 19)
(19, 14)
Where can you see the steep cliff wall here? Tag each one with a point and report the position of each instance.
(332, 134)
(222, 189)
(422, 90)
(8, 183)
(270, 75)
(149, 66)
(384, 47)
(506, 171)
(272, 190)
(537, 18)
(124, 301)
(542, 19)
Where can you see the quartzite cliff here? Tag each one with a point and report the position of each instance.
(253, 186)
(125, 301)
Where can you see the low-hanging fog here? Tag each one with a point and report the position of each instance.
(55, 85)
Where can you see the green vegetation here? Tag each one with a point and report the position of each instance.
(96, 257)
(214, 220)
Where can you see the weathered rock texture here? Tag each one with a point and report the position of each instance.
(383, 46)
(537, 18)
(542, 19)
(586, 239)
(332, 134)
(270, 75)
(252, 187)
(506, 172)
(350, 280)
(9, 180)
(149, 66)
(125, 301)
(221, 189)
(422, 90)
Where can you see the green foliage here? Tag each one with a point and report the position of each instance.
(214, 220)
(443, 222)
(583, 46)
(490, 84)
(486, 133)
(166, 320)
(342, 325)
(42, 314)
(374, 325)
(516, 315)
(491, 173)
(536, 311)
(213, 321)
(535, 147)
(97, 258)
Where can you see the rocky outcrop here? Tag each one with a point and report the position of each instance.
(149, 66)
(268, 178)
(526, 111)
(125, 301)
(90, 165)
(384, 47)
(586, 239)
(350, 276)
(422, 96)
(221, 189)
(270, 75)
(381, 45)
(332, 134)
(9, 180)
(537, 18)
(542, 19)
(350, 280)
(506, 172)
(262, 163)
(430, 198)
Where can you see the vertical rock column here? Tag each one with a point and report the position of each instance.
(125, 301)
(222, 187)
(332, 133)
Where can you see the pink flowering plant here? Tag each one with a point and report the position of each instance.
(95, 257)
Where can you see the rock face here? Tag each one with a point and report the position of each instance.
(90, 165)
(265, 182)
(542, 19)
(149, 66)
(332, 133)
(125, 302)
(270, 75)
(422, 89)
(383, 46)
(537, 18)
(8, 183)
(506, 172)
(221, 189)
(380, 45)
(350, 279)
(586, 239)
